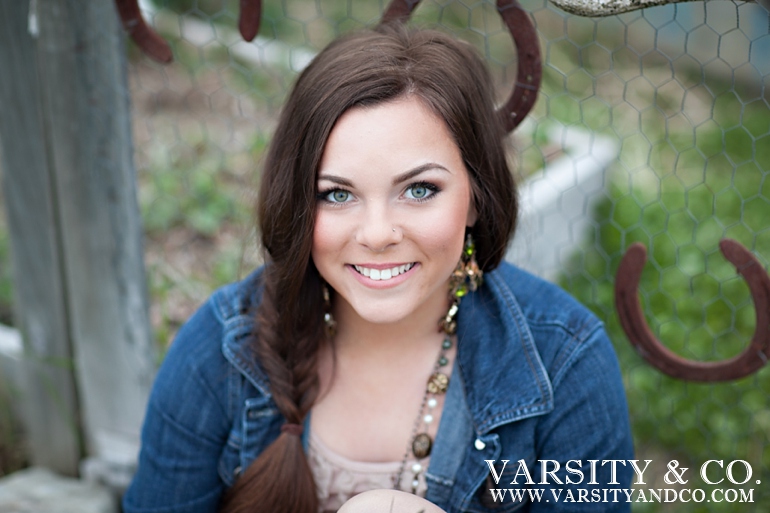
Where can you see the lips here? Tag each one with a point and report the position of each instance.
(383, 274)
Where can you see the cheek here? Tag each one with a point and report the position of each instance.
(444, 234)
(324, 239)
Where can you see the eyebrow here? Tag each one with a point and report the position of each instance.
(403, 177)
(416, 171)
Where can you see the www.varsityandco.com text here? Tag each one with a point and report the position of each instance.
(720, 481)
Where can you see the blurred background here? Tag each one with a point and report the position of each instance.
(651, 126)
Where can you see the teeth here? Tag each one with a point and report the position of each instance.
(384, 274)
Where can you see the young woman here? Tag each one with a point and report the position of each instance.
(368, 353)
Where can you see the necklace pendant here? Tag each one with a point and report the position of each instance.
(438, 383)
(421, 445)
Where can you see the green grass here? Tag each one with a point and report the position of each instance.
(189, 186)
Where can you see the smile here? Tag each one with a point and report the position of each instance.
(383, 274)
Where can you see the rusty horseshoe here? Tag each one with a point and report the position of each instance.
(249, 18)
(144, 37)
(153, 45)
(529, 67)
(650, 348)
(518, 22)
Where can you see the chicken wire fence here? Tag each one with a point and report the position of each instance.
(651, 126)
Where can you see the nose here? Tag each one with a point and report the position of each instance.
(377, 230)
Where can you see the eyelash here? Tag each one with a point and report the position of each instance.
(433, 188)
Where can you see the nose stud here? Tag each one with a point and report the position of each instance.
(378, 238)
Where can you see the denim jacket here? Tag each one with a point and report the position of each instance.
(535, 379)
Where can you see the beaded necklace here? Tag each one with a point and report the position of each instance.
(466, 277)
(421, 443)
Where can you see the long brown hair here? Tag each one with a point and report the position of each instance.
(364, 68)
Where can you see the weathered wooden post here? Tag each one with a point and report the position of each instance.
(70, 191)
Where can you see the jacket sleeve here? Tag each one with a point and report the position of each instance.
(186, 425)
(589, 423)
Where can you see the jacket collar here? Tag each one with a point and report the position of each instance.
(236, 305)
(504, 376)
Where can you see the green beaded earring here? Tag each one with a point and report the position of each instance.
(467, 277)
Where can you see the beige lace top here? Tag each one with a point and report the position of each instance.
(338, 478)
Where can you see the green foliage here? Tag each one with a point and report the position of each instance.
(188, 186)
(693, 298)
(196, 202)
(12, 450)
(6, 287)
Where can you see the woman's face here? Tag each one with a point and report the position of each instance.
(394, 200)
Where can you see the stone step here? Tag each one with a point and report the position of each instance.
(37, 490)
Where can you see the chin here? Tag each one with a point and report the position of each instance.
(383, 315)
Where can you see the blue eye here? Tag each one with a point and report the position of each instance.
(336, 196)
(421, 191)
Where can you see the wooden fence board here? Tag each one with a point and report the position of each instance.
(49, 400)
(83, 66)
(83, 102)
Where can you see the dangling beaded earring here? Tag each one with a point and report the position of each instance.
(466, 277)
(472, 271)
(330, 325)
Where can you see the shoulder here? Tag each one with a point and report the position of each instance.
(197, 361)
(227, 313)
(188, 449)
(543, 303)
(538, 372)
(559, 324)
(588, 419)
(524, 335)
(555, 328)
